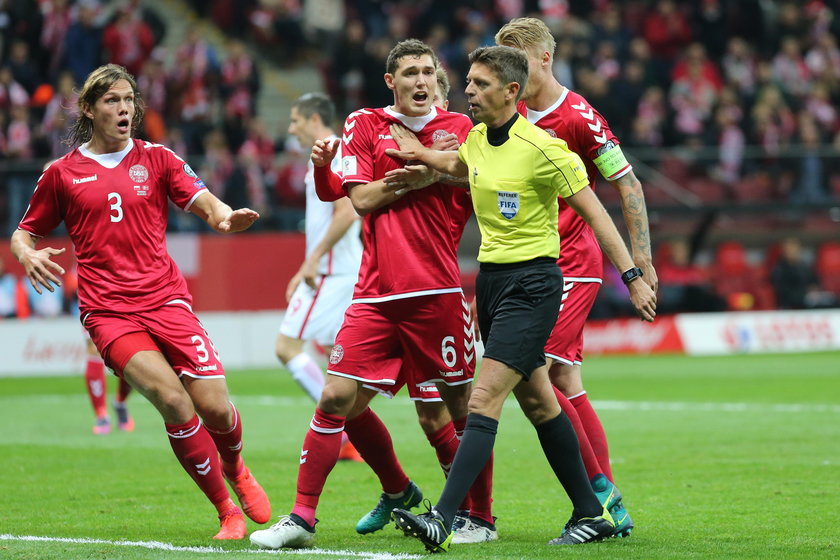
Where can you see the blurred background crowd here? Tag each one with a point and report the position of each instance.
(727, 108)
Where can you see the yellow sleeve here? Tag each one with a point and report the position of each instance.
(562, 169)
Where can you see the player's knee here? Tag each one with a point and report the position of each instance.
(217, 415)
(336, 399)
(174, 406)
(485, 402)
(432, 418)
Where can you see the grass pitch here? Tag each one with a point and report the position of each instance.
(733, 457)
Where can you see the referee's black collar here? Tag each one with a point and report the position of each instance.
(498, 136)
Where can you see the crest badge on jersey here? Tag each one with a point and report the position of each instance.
(508, 204)
(138, 173)
(439, 134)
(188, 170)
(337, 354)
(551, 132)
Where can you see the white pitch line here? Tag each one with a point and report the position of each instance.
(640, 406)
(156, 545)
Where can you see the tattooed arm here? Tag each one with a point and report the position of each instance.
(635, 216)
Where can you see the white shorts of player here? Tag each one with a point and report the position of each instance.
(317, 315)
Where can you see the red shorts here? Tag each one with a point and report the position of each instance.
(425, 392)
(566, 341)
(174, 330)
(430, 336)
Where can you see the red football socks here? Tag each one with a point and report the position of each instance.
(372, 440)
(197, 453)
(594, 431)
(317, 458)
(96, 386)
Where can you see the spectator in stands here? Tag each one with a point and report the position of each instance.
(128, 40)
(11, 92)
(56, 22)
(683, 285)
(811, 174)
(193, 77)
(667, 31)
(739, 66)
(789, 68)
(85, 36)
(24, 68)
(60, 115)
(794, 281)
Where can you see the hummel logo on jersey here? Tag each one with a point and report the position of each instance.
(203, 468)
(85, 180)
(385, 137)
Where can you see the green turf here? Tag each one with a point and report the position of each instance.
(733, 457)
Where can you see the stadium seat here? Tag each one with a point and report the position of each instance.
(741, 284)
(828, 266)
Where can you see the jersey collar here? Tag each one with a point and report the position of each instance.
(534, 116)
(107, 160)
(415, 124)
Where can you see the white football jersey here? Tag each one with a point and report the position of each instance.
(346, 255)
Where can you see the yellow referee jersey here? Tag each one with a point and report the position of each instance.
(515, 188)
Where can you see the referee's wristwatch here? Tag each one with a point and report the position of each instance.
(631, 274)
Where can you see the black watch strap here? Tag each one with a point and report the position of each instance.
(630, 275)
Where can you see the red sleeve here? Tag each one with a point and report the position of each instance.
(328, 184)
(357, 161)
(183, 185)
(45, 210)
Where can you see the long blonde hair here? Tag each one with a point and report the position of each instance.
(96, 85)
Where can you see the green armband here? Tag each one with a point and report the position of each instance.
(611, 163)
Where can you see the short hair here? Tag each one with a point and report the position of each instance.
(527, 34)
(507, 63)
(409, 47)
(442, 83)
(96, 85)
(316, 103)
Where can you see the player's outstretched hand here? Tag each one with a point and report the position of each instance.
(407, 141)
(238, 220)
(410, 178)
(324, 151)
(643, 299)
(41, 270)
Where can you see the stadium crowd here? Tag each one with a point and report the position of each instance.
(744, 93)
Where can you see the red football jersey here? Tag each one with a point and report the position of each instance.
(587, 133)
(115, 209)
(410, 245)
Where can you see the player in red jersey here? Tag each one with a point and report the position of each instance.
(566, 115)
(474, 522)
(407, 307)
(112, 192)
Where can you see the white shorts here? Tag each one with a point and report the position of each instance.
(317, 315)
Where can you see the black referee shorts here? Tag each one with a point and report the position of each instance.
(517, 309)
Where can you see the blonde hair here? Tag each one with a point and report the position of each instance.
(527, 34)
(442, 83)
(96, 85)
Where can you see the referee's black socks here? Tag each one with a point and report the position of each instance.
(561, 448)
(473, 452)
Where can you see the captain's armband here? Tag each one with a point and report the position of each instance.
(611, 163)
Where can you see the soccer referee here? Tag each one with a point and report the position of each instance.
(516, 172)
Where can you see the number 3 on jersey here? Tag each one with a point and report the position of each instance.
(116, 206)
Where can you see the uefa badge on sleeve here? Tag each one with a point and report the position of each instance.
(508, 204)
